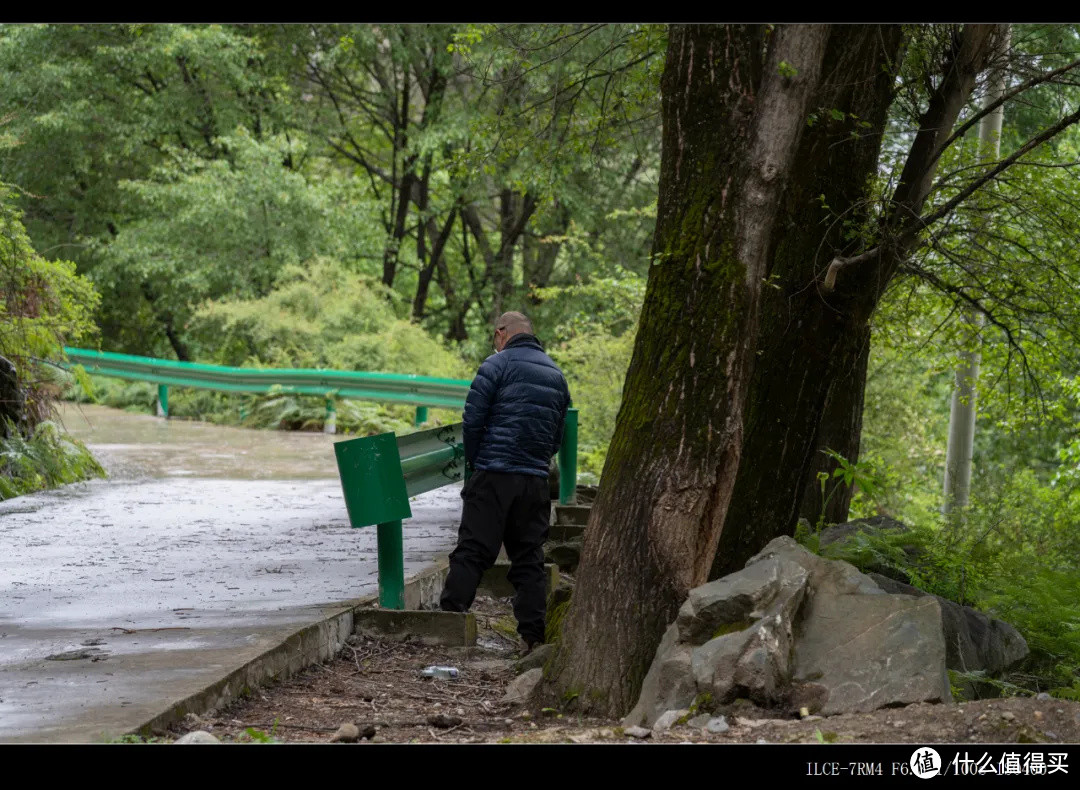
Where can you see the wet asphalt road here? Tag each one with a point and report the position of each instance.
(225, 537)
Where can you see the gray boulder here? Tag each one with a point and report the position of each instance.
(668, 719)
(794, 626)
(858, 648)
(828, 576)
(973, 640)
(717, 725)
(736, 601)
(669, 683)
(731, 635)
(198, 736)
(841, 532)
(872, 651)
(749, 655)
(523, 686)
(535, 659)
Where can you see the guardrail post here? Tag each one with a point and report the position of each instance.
(330, 425)
(421, 415)
(162, 400)
(568, 459)
(391, 566)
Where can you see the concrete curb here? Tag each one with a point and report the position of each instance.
(308, 645)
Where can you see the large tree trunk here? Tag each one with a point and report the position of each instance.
(840, 429)
(816, 335)
(811, 344)
(732, 118)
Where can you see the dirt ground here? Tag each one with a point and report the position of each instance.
(377, 686)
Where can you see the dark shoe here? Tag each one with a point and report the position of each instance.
(530, 645)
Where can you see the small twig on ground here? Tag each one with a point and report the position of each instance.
(142, 630)
(356, 658)
(447, 731)
(332, 672)
(290, 726)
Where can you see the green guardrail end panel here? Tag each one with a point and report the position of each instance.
(371, 480)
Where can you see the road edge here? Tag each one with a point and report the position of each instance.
(308, 645)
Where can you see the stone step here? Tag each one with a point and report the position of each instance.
(559, 533)
(572, 515)
(565, 555)
(586, 495)
(449, 629)
(495, 583)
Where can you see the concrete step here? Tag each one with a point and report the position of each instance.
(451, 629)
(557, 533)
(560, 533)
(586, 495)
(565, 555)
(495, 583)
(572, 515)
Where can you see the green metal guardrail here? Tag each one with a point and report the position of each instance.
(380, 473)
(419, 391)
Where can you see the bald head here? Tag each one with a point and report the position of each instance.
(514, 323)
(510, 324)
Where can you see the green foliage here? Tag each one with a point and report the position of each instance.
(94, 106)
(295, 412)
(131, 738)
(1011, 556)
(42, 302)
(43, 305)
(847, 475)
(259, 736)
(227, 228)
(602, 304)
(322, 315)
(595, 366)
(48, 458)
(593, 323)
(702, 702)
(1012, 553)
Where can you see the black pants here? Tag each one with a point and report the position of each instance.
(511, 509)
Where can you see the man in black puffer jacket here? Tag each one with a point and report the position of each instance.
(513, 425)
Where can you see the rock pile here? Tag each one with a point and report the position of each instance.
(796, 630)
(974, 641)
